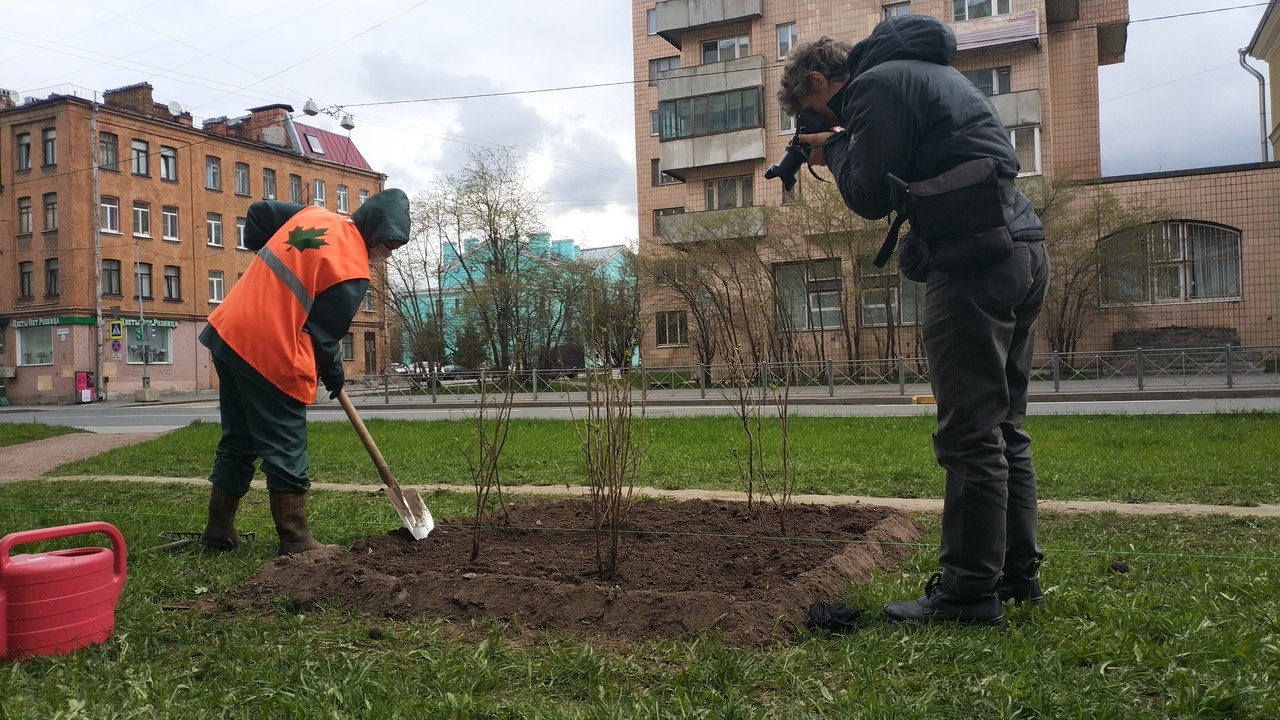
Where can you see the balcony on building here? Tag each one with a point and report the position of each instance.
(684, 144)
(745, 223)
(1018, 109)
(676, 17)
(998, 32)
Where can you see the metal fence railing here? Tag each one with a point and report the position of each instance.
(1141, 369)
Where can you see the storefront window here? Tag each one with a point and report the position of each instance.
(35, 345)
(160, 346)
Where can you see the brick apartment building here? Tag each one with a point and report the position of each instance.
(1037, 60)
(130, 187)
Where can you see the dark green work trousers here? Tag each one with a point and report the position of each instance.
(259, 421)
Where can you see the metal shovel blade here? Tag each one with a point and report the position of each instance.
(408, 503)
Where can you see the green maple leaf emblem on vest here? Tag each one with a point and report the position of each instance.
(308, 239)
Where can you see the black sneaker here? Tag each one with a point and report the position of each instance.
(1027, 591)
(941, 604)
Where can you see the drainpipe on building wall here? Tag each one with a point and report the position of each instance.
(1262, 103)
(97, 249)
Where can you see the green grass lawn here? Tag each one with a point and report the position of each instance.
(18, 433)
(1227, 459)
(1192, 631)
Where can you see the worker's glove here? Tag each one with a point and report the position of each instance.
(333, 382)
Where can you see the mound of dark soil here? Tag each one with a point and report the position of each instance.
(684, 568)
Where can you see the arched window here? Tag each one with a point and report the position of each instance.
(1174, 261)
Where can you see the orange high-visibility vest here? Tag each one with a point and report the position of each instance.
(262, 316)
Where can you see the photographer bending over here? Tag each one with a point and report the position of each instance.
(918, 137)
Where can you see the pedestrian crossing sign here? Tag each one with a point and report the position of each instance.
(117, 329)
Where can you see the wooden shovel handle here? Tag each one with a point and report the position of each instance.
(383, 470)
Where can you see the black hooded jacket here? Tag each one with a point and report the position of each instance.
(908, 112)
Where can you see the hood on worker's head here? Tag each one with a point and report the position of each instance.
(264, 219)
(384, 219)
(904, 37)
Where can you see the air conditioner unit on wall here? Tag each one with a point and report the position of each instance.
(8, 372)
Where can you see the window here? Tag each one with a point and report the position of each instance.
(972, 9)
(212, 172)
(710, 114)
(342, 198)
(661, 178)
(786, 39)
(168, 163)
(651, 16)
(142, 278)
(725, 193)
(110, 209)
(215, 286)
(51, 285)
(349, 346)
(295, 189)
(110, 277)
(242, 178)
(896, 9)
(50, 138)
(240, 235)
(364, 196)
(24, 216)
(809, 294)
(50, 211)
(24, 151)
(157, 346)
(786, 123)
(661, 213)
(35, 345)
(140, 154)
(672, 327)
(108, 151)
(992, 81)
(313, 142)
(141, 218)
(730, 48)
(1172, 262)
(268, 184)
(672, 272)
(317, 192)
(792, 196)
(172, 282)
(368, 300)
(26, 279)
(661, 65)
(213, 229)
(1026, 145)
(887, 296)
(653, 122)
(169, 214)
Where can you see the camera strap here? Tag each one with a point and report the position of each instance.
(898, 196)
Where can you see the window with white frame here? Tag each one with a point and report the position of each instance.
(141, 218)
(142, 280)
(24, 216)
(992, 81)
(313, 142)
(141, 158)
(213, 229)
(268, 184)
(110, 209)
(725, 193)
(342, 198)
(317, 193)
(888, 298)
(51, 211)
(653, 122)
(651, 18)
(368, 300)
(974, 9)
(896, 9)
(168, 163)
(1026, 146)
(786, 123)
(242, 178)
(108, 151)
(215, 286)
(35, 345)
(110, 277)
(240, 234)
(672, 327)
(722, 49)
(52, 286)
(212, 172)
(26, 279)
(786, 39)
(808, 294)
(169, 216)
(364, 197)
(158, 346)
(172, 282)
(1172, 262)
(658, 66)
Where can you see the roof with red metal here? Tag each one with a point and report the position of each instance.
(324, 145)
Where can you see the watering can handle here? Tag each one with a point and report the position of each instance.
(53, 533)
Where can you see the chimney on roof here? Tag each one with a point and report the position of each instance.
(266, 125)
(217, 126)
(8, 99)
(134, 98)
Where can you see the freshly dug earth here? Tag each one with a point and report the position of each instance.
(684, 568)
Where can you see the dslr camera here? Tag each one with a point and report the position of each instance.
(796, 153)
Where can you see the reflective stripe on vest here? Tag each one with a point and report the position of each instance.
(287, 276)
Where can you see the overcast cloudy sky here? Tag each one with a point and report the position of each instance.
(1179, 100)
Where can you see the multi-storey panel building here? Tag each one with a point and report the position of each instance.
(121, 228)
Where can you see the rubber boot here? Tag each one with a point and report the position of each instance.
(220, 531)
(289, 511)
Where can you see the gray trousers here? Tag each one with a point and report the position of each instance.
(259, 421)
(979, 336)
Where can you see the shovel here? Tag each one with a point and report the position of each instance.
(408, 503)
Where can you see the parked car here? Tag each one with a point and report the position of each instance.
(457, 372)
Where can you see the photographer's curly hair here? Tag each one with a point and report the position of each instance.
(823, 55)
